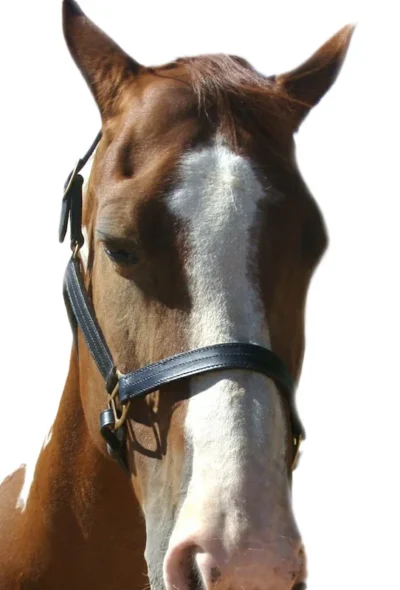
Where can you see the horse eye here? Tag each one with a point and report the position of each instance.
(122, 256)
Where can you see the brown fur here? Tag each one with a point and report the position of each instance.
(83, 527)
(80, 505)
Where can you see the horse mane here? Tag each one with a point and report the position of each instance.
(228, 86)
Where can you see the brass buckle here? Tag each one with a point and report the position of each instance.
(119, 415)
(75, 251)
(297, 442)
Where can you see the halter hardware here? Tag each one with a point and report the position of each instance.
(123, 388)
(112, 421)
(75, 251)
(119, 415)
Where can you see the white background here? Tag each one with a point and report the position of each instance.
(346, 491)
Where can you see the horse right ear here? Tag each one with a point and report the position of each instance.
(308, 83)
(104, 65)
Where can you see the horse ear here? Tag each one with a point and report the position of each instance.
(308, 83)
(104, 65)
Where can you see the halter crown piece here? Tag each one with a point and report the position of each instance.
(122, 389)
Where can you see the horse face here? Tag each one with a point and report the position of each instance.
(201, 231)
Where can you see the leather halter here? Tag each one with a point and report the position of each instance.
(122, 389)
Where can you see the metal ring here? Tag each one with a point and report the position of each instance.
(119, 420)
(75, 251)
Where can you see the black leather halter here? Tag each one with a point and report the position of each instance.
(122, 389)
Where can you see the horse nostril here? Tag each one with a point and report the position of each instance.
(180, 569)
(194, 577)
(196, 563)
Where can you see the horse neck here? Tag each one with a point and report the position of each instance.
(80, 500)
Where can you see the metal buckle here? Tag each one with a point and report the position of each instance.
(297, 442)
(75, 251)
(119, 415)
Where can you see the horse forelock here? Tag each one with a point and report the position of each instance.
(227, 88)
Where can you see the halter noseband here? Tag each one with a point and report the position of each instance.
(122, 389)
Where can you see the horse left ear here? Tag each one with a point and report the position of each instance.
(103, 64)
(308, 83)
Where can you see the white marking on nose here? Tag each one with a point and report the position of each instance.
(235, 425)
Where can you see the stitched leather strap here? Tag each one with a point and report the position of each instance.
(71, 206)
(84, 314)
(233, 355)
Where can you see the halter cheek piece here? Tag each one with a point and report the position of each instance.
(122, 389)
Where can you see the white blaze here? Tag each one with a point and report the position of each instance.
(235, 426)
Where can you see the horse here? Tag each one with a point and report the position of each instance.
(201, 235)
